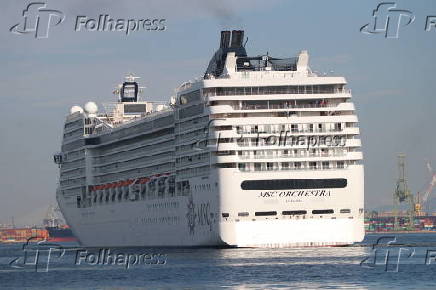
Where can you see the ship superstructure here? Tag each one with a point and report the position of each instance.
(260, 152)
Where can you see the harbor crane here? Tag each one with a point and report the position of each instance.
(403, 194)
(422, 204)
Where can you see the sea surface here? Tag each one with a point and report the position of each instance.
(408, 263)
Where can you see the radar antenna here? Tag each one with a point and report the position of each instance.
(131, 77)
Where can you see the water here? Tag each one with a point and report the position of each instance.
(302, 268)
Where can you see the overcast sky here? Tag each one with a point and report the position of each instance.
(392, 80)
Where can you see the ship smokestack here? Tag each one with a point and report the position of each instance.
(229, 42)
(237, 38)
(225, 39)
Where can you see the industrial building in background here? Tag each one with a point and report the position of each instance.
(410, 212)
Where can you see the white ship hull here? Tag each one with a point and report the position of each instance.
(179, 222)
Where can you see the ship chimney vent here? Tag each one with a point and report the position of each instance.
(225, 39)
(237, 38)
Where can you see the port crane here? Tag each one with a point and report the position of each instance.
(421, 203)
(403, 194)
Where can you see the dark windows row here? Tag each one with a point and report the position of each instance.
(277, 184)
(78, 122)
(269, 90)
(73, 145)
(118, 141)
(288, 212)
(191, 111)
(139, 128)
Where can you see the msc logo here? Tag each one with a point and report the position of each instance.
(38, 20)
(388, 20)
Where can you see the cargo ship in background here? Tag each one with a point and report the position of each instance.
(60, 233)
(57, 230)
(54, 229)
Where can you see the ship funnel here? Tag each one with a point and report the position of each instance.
(225, 39)
(237, 38)
(230, 42)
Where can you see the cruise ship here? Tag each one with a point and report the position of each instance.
(258, 152)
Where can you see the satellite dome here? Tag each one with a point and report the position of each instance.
(91, 108)
(75, 109)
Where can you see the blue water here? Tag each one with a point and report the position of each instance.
(301, 268)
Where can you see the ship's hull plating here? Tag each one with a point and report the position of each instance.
(196, 220)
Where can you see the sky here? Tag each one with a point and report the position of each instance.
(392, 79)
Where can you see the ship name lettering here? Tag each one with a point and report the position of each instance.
(296, 193)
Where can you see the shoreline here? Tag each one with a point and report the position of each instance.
(400, 232)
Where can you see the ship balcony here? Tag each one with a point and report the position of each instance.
(355, 142)
(68, 167)
(281, 107)
(346, 94)
(193, 127)
(266, 133)
(132, 165)
(108, 160)
(355, 155)
(280, 88)
(65, 177)
(71, 187)
(73, 130)
(224, 119)
(351, 142)
(283, 167)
